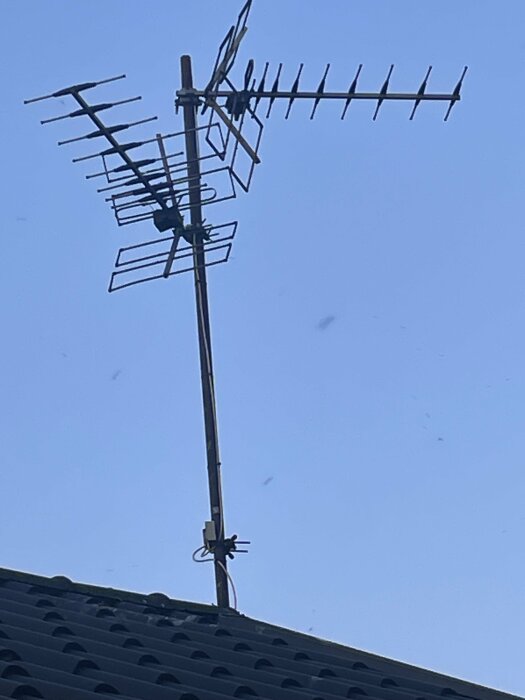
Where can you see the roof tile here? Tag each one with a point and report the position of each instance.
(61, 640)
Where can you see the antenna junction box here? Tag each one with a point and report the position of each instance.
(209, 534)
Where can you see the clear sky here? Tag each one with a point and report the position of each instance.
(394, 438)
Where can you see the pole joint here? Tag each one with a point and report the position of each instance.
(187, 97)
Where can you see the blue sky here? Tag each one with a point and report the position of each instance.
(395, 517)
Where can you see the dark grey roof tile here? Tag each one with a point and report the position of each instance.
(63, 640)
(16, 689)
(30, 653)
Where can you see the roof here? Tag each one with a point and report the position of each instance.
(61, 640)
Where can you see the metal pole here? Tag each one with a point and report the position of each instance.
(203, 324)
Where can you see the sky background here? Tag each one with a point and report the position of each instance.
(394, 438)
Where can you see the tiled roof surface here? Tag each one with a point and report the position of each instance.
(65, 641)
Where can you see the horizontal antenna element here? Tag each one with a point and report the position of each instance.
(74, 89)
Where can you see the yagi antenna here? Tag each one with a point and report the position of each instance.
(168, 179)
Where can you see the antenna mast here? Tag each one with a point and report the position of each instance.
(180, 173)
(189, 111)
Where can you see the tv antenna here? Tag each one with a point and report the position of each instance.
(171, 177)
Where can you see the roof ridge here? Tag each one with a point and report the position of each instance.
(153, 599)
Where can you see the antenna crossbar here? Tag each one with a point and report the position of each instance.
(283, 94)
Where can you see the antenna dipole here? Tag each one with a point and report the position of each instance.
(175, 175)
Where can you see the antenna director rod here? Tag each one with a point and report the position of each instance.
(190, 106)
